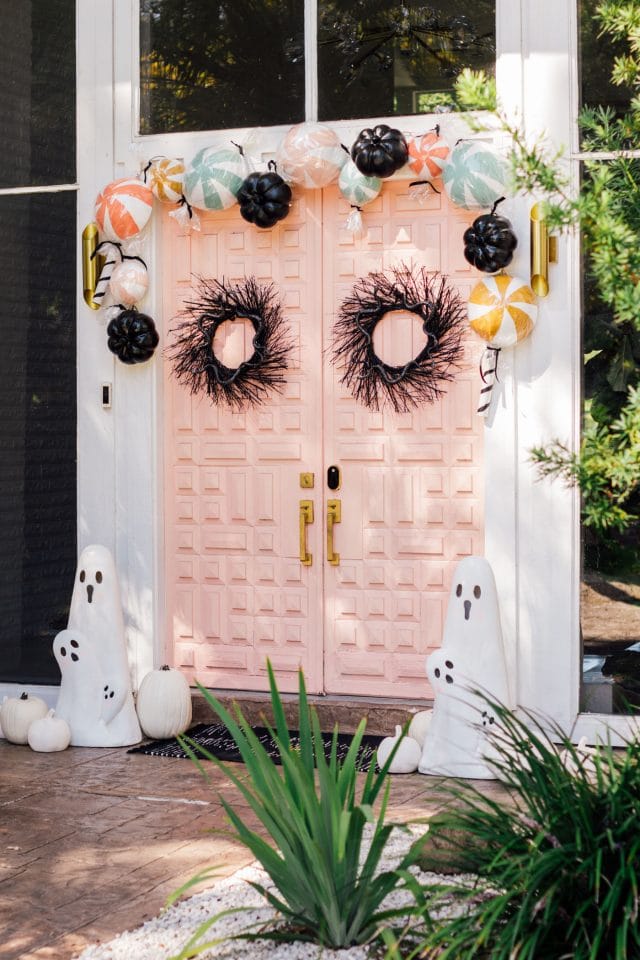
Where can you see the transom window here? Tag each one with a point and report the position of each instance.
(224, 64)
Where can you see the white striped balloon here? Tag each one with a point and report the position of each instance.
(166, 179)
(123, 208)
(357, 188)
(214, 177)
(311, 155)
(428, 155)
(502, 310)
(475, 175)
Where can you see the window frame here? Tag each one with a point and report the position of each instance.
(127, 90)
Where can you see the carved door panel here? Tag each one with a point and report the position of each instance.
(411, 493)
(410, 490)
(236, 592)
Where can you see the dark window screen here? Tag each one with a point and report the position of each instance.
(216, 64)
(37, 430)
(37, 92)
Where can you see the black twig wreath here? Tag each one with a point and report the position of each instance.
(443, 314)
(195, 364)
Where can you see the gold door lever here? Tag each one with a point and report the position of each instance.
(544, 250)
(306, 517)
(334, 515)
(91, 264)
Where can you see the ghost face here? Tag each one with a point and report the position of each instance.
(473, 601)
(85, 577)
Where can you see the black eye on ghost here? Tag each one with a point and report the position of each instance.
(82, 576)
(477, 592)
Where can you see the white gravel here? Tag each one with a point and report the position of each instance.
(166, 935)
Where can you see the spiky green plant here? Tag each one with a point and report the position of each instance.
(556, 865)
(327, 886)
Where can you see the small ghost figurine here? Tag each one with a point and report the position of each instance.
(95, 690)
(470, 659)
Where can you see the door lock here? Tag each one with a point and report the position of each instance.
(334, 479)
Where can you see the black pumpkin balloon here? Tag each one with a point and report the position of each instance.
(132, 336)
(264, 198)
(380, 151)
(489, 242)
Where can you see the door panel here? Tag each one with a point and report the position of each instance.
(411, 483)
(411, 490)
(236, 590)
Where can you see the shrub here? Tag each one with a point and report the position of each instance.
(328, 889)
(556, 865)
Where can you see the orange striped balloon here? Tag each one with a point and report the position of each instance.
(428, 155)
(502, 310)
(123, 208)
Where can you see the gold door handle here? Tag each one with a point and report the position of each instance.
(90, 264)
(306, 517)
(334, 515)
(544, 250)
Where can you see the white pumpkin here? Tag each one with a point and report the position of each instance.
(419, 726)
(164, 703)
(18, 713)
(407, 756)
(49, 734)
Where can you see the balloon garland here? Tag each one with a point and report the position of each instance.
(311, 155)
(195, 363)
(375, 383)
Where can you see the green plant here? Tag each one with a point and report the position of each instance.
(556, 864)
(328, 889)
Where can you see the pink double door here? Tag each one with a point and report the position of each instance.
(360, 618)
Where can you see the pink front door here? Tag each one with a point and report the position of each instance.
(410, 484)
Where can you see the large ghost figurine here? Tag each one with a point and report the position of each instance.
(470, 659)
(95, 690)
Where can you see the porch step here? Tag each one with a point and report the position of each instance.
(382, 714)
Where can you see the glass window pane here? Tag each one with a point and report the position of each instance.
(219, 64)
(37, 430)
(597, 51)
(378, 58)
(37, 99)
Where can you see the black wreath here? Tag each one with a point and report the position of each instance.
(443, 314)
(195, 364)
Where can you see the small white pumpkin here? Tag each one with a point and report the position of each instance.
(407, 756)
(49, 734)
(18, 713)
(164, 703)
(419, 726)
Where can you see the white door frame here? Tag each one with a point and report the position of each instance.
(532, 528)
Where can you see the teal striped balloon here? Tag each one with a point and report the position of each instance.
(475, 176)
(357, 188)
(213, 178)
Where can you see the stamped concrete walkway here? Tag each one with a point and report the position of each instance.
(92, 841)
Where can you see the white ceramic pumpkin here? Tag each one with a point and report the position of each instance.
(49, 734)
(407, 757)
(419, 726)
(164, 703)
(18, 713)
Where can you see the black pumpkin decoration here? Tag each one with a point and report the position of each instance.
(264, 198)
(489, 242)
(380, 151)
(132, 336)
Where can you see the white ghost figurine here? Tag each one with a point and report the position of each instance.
(95, 690)
(470, 659)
